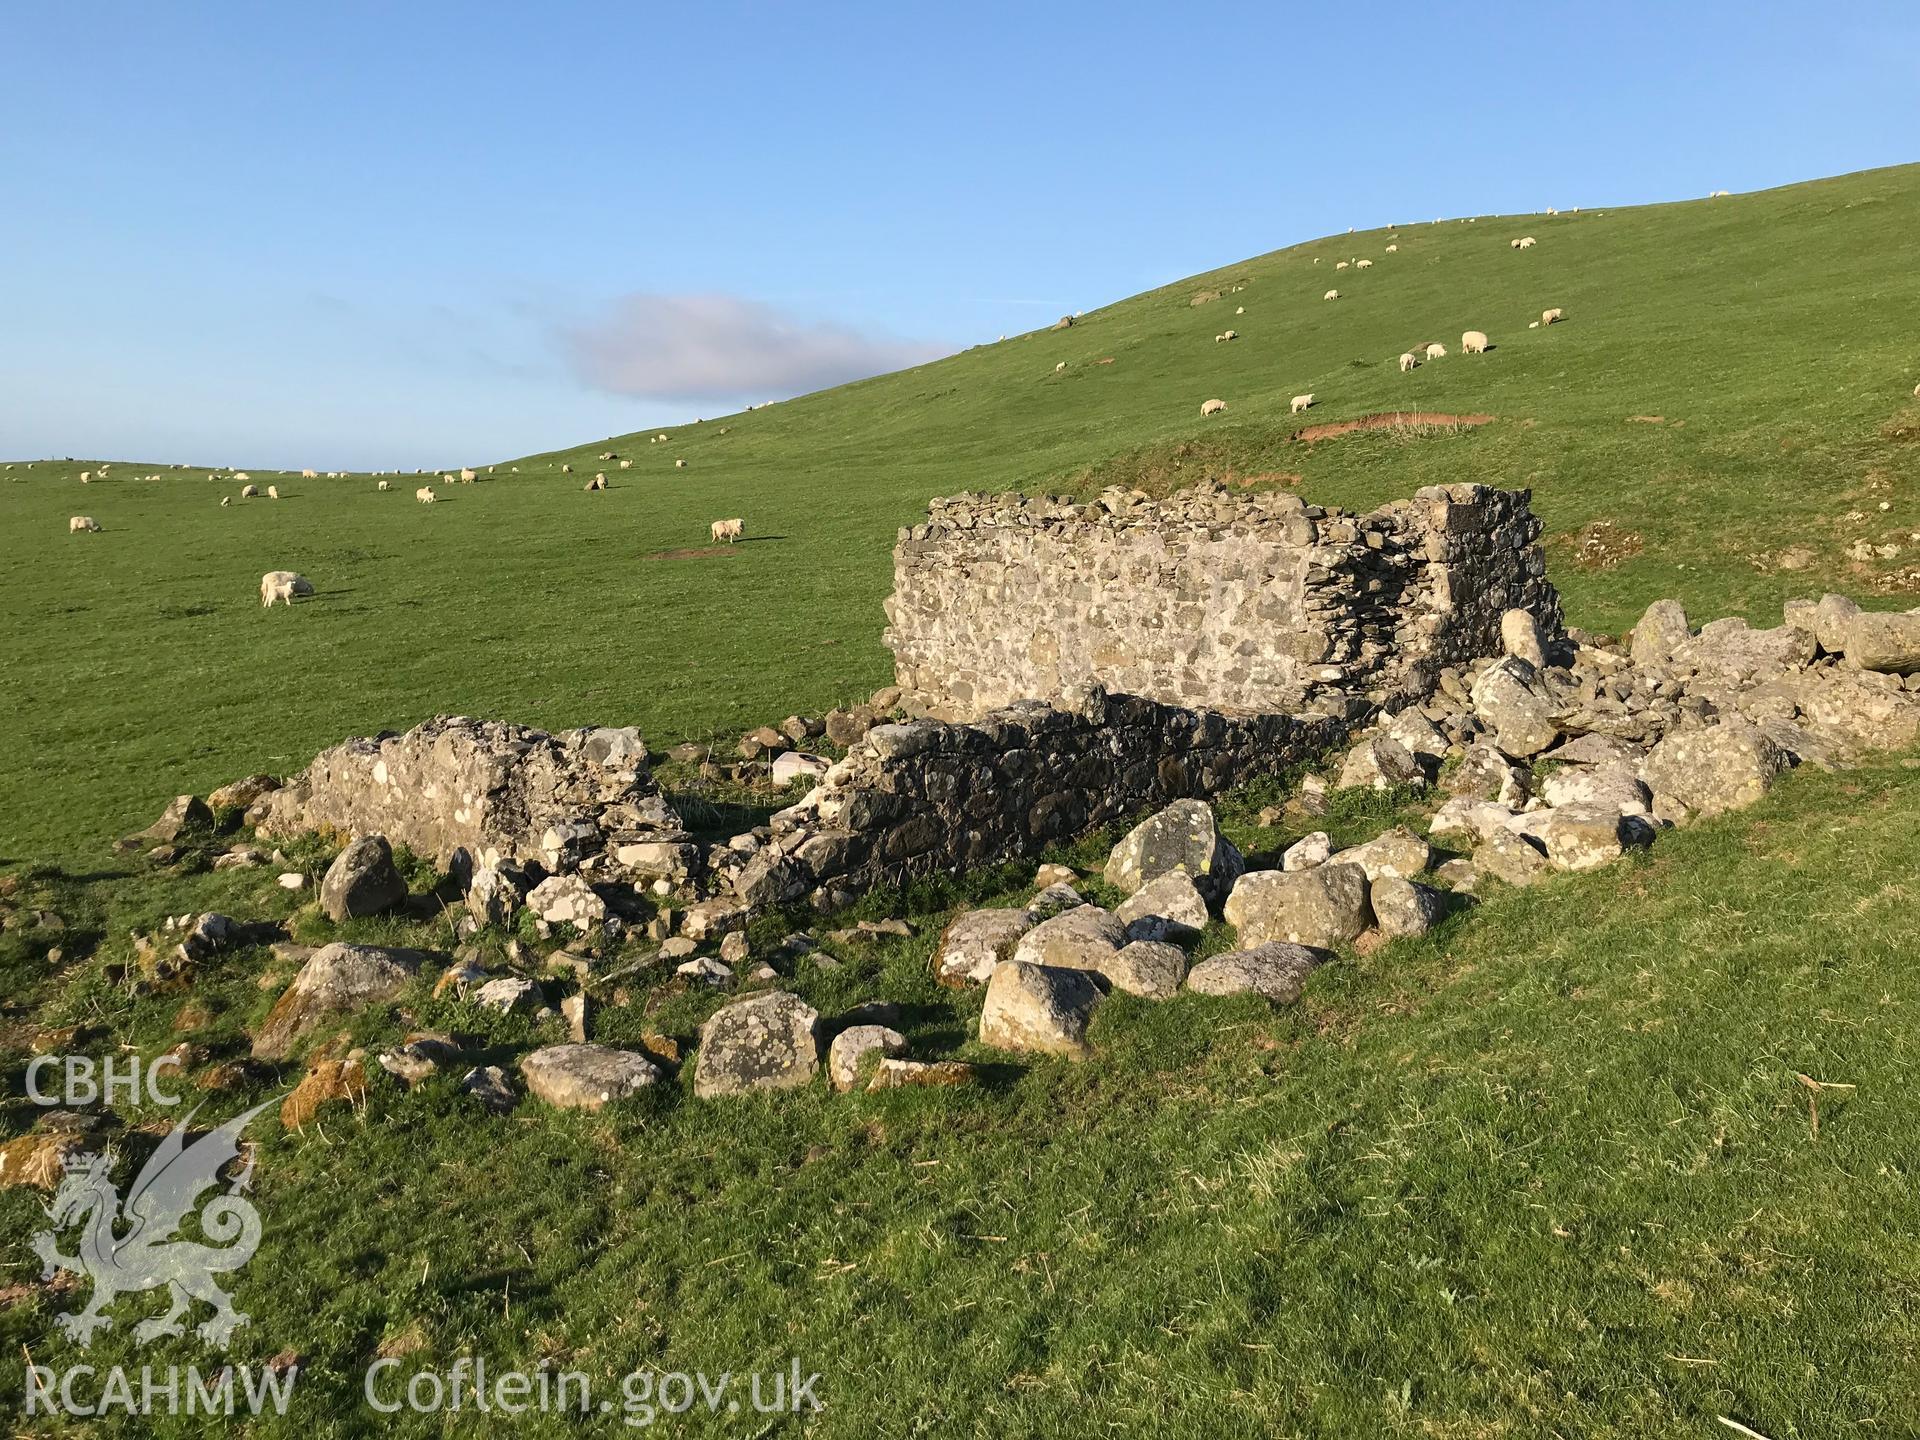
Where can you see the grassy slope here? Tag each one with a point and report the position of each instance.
(1775, 326)
(1548, 1171)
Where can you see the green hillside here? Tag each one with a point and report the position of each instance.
(1771, 335)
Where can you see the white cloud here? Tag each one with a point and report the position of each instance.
(702, 347)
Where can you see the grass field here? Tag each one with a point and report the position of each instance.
(1771, 333)
(1552, 1170)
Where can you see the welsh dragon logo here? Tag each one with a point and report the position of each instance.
(146, 1254)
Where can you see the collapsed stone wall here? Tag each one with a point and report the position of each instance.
(938, 797)
(465, 792)
(1208, 599)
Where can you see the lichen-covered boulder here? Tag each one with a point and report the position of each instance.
(977, 941)
(1509, 699)
(337, 980)
(1321, 907)
(1168, 907)
(1152, 969)
(1722, 767)
(1510, 857)
(1586, 836)
(1380, 763)
(362, 880)
(768, 1042)
(1181, 837)
(1662, 631)
(586, 1077)
(1038, 1008)
(853, 1045)
(1276, 970)
(1889, 643)
(1077, 939)
(1399, 853)
(1403, 908)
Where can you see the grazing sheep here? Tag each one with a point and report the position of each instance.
(1393, 249)
(86, 476)
(283, 585)
(679, 464)
(1533, 325)
(661, 437)
(466, 477)
(241, 476)
(1226, 335)
(226, 500)
(1212, 407)
(626, 464)
(1436, 351)
(566, 469)
(1363, 264)
(424, 495)
(1547, 317)
(1300, 402)
(1331, 295)
(1407, 362)
(728, 530)
(384, 485)
(1059, 367)
(308, 475)
(1473, 342)
(1239, 309)
(1716, 194)
(598, 482)
(248, 492)
(1342, 265)
(1527, 242)
(83, 522)
(273, 492)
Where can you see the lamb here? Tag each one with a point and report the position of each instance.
(283, 585)
(626, 464)
(1547, 317)
(1407, 362)
(86, 476)
(226, 500)
(728, 530)
(1063, 364)
(1393, 249)
(1331, 295)
(679, 464)
(598, 482)
(273, 492)
(1212, 407)
(384, 485)
(248, 492)
(1436, 351)
(1473, 342)
(1226, 335)
(1341, 266)
(1363, 264)
(1300, 402)
(80, 523)
(424, 495)
(566, 469)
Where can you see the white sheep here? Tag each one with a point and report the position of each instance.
(248, 492)
(273, 492)
(1363, 264)
(86, 476)
(1527, 242)
(1300, 402)
(1239, 309)
(1436, 351)
(385, 486)
(466, 477)
(1547, 317)
(81, 523)
(1473, 342)
(598, 482)
(1226, 335)
(226, 500)
(728, 530)
(566, 469)
(1342, 265)
(424, 495)
(308, 475)
(679, 464)
(283, 585)
(1063, 364)
(1393, 249)
(626, 464)
(1331, 295)
(241, 476)
(1407, 362)
(1212, 407)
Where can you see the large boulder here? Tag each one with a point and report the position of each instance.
(1168, 907)
(337, 980)
(1520, 637)
(567, 900)
(1038, 1008)
(1727, 766)
(1661, 632)
(1149, 968)
(977, 941)
(1399, 853)
(1879, 640)
(1732, 651)
(1402, 908)
(1077, 939)
(1510, 700)
(1380, 763)
(1585, 836)
(1510, 857)
(1485, 774)
(769, 1042)
(1321, 907)
(1276, 970)
(1181, 837)
(586, 1077)
(852, 1046)
(1613, 786)
(362, 881)
(184, 814)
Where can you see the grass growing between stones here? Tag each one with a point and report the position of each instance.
(1548, 1171)
(1729, 395)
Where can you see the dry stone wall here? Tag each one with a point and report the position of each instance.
(1209, 599)
(932, 796)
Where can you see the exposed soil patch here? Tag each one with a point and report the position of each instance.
(1646, 419)
(1416, 421)
(1266, 478)
(701, 552)
(1904, 426)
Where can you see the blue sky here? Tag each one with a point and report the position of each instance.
(378, 235)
